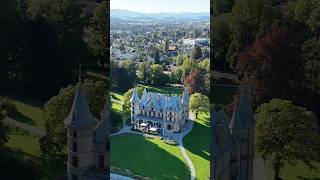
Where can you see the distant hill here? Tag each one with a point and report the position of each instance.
(121, 13)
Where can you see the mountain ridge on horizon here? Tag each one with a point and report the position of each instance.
(124, 13)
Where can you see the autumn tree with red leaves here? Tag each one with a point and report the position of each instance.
(195, 81)
(271, 65)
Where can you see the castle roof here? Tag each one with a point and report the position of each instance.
(243, 116)
(134, 97)
(102, 130)
(161, 101)
(80, 114)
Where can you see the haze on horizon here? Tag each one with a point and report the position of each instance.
(163, 6)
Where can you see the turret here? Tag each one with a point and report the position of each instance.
(80, 124)
(242, 129)
(101, 139)
(134, 104)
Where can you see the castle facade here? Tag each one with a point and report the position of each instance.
(158, 112)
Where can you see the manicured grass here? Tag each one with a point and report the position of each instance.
(24, 142)
(148, 157)
(117, 101)
(197, 144)
(223, 95)
(300, 171)
(29, 110)
(163, 89)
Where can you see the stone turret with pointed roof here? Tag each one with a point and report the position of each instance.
(135, 97)
(243, 117)
(242, 129)
(80, 114)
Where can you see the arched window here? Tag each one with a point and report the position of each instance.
(74, 134)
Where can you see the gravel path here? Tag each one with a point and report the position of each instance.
(32, 129)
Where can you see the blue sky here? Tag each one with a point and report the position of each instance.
(153, 6)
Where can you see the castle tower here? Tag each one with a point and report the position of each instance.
(222, 156)
(135, 103)
(185, 105)
(80, 124)
(242, 130)
(101, 142)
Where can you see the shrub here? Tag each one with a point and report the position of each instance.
(8, 107)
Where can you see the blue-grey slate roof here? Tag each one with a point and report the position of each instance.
(243, 116)
(80, 114)
(102, 130)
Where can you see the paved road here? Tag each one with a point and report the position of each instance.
(32, 129)
(175, 136)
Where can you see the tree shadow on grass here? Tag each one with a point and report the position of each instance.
(50, 167)
(145, 158)
(198, 140)
(115, 97)
(22, 118)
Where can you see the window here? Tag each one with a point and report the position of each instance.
(101, 161)
(74, 118)
(74, 177)
(74, 134)
(74, 161)
(74, 147)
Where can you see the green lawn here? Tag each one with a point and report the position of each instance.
(163, 89)
(24, 142)
(117, 101)
(223, 95)
(197, 144)
(29, 110)
(299, 171)
(148, 157)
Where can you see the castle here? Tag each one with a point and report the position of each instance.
(232, 144)
(88, 140)
(158, 112)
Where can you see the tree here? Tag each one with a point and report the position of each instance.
(98, 38)
(180, 59)
(166, 48)
(176, 75)
(156, 56)
(123, 75)
(272, 65)
(196, 53)
(127, 96)
(199, 103)
(157, 75)
(58, 108)
(143, 71)
(195, 81)
(249, 20)
(221, 34)
(301, 140)
(3, 131)
(187, 66)
(205, 65)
